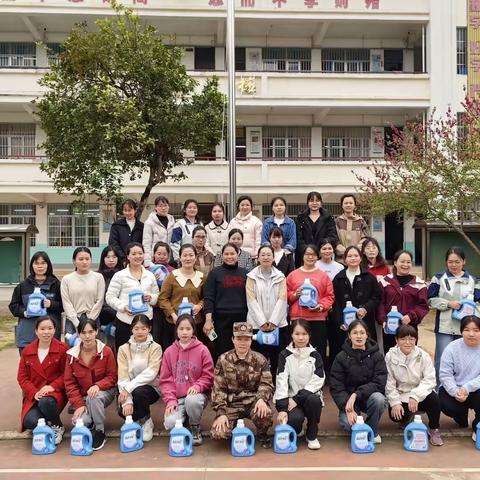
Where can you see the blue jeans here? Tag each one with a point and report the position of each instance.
(373, 407)
(441, 342)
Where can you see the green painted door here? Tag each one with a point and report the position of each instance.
(11, 255)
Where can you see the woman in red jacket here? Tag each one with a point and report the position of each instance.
(405, 291)
(90, 380)
(40, 376)
(316, 316)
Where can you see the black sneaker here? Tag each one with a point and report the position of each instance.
(99, 439)
(265, 440)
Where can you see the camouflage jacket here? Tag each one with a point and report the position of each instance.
(240, 381)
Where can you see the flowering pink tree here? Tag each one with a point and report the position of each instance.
(431, 170)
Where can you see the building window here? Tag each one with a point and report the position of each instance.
(17, 55)
(72, 225)
(204, 58)
(340, 143)
(286, 143)
(18, 214)
(17, 140)
(462, 51)
(54, 50)
(240, 59)
(461, 125)
(393, 60)
(287, 59)
(346, 60)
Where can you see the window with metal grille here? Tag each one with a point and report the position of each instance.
(461, 125)
(462, 51)
(17, 140)
(53, 52)
(286, 143)
(345, 60)
(18, 214)
(72, 225)
(287, 59)
(17, 55)
(344, 143)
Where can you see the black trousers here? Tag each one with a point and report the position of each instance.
(459, 410)
(123, 331)
(336, 338)
(311, 409)
(46, 408)
(143, 397)
(430, 405)
(319, 338)
(163, 332)
(223, 322)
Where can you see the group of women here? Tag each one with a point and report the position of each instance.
(213, 267)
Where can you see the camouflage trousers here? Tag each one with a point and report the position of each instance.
(242, 410)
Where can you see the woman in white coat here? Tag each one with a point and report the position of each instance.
(133, 277)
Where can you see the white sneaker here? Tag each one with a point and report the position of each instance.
(313, 444)
(377, 439)
(147, 428)
(474, 436)
(59, 431)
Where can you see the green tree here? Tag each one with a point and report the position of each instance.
(119, 105)
(432, 171)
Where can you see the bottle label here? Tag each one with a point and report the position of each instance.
(240, 443)
(268, 338)
(467, 310)
(392, 325)
(136, 301)
(130, 439)
(348, 318)
(419, 440)
(361, 440)
(306, 296)
(40, 442)
(282, 440)
(177, 444)
(76, 442)
(34, 305)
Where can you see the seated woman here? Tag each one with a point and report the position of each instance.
(300, 378)
(460, 375)
(40, 376)
(186, 378)
(138, 375)
(90, 380)
(411, 382)
(357, 379)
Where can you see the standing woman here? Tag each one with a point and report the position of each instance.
(217, 229)
(90, 380)
(205, 258)
(249, 224)
(183, 229)
(358, 378)
(280, 220)
(83, 290)
(133, 277)
(235, 237)
(314, 225)
(372, 258)
(283, 259)
(351, 228)
(326, 263)
(445, 292)
(158, 227)
(406, 292)
(225, 299)
(300, 378)
(126, 229)
(138, 375)
(42, 277)
(317, 315)
(184, 282)
(267, 304)
(40, 376)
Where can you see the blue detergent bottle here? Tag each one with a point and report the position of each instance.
(267, 338)
(72, 339)
(284, 439)
(109, 329)
(362, 437)
(416, 436)
(43, 440)
(309, 296)
(131, 436)
(243, 440)
(393, 321)
(35, 304)
(349, 314)
(81, 441)
(136, 303)
(477, 439)
(185, 307)
(468, 308)
(161, 271)
(180, 444)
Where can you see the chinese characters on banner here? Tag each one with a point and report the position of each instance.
(368, 4)
(473, 49)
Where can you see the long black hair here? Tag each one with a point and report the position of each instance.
(44, 256)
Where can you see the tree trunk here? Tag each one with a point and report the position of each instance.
(152, 181)
(461, 232)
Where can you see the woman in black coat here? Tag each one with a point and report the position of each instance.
(314, 225)
(358, 378)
